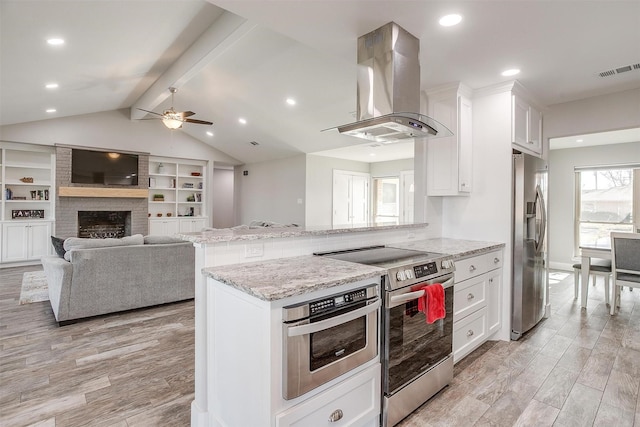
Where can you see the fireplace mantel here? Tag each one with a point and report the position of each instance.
(136, 193)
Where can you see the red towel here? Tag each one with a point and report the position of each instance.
(432, 302)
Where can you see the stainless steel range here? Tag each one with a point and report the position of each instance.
(417, 357)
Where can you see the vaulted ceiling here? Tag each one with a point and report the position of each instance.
(234, 59)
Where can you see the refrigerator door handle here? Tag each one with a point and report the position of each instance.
(543, 221)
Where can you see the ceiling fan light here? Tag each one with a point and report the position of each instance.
(172, 123)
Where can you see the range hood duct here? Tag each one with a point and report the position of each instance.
(388, 90)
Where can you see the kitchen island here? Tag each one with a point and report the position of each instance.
(264, 270)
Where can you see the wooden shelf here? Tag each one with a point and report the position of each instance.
(136, 193)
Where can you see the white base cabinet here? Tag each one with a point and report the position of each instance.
(476, 301)
(25, 241)
(171, 226)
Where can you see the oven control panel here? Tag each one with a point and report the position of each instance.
(425, 269)
(336, 301)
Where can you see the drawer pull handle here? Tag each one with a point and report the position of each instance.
(469, 333)
(470, 297)
(472, 268)
(496, 260)
(336, 416)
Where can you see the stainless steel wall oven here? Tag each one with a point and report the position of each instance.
(328, 337)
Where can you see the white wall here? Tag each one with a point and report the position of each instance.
(390, 168)
(271, 191)
(319, 186)
(222, 215)
(615, 111)
(115, 130)
(562, 192)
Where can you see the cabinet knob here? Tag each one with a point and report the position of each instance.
(470, 297)
(336, 416)
(469, 333)
(496, 260)
(472, 268)
(491, 280)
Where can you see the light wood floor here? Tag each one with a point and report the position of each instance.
(576, 368)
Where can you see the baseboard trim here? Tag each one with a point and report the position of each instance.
(560, 266)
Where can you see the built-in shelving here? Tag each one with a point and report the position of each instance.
(181, 184)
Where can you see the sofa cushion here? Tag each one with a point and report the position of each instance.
(58, 245)
(81, 243)
(161, 240)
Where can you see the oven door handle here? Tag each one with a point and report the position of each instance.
(311, 328)
(410, 296)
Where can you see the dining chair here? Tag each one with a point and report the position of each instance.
(596, 268)
(625, 264)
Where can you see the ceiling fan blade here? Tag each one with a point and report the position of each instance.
(199, 122)
(151, 112)
(187, 113)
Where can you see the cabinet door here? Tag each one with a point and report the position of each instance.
(163, 227)
(15, 242)
(191, 225)
(520, 121)
(535, 130)
(39, 243)
(494, 298)
(465, 145)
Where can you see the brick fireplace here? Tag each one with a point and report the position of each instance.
(68, 208)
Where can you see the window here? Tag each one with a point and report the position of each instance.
(605, 203)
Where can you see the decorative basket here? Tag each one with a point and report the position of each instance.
(27, 179)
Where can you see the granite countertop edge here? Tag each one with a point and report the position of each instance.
(282, 278)
(456, 248)
(243, 234)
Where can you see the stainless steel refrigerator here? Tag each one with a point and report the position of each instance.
(529, 269)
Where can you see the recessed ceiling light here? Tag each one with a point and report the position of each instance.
(51, 110)
(450, 20)
(510, 72)
(209, 133)
(372, 154)
(579, 140)
(242, 121)
(51, 85)
(291, 101)
(55, 41)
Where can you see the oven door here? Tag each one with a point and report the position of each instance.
(411, 345)
(317, 350)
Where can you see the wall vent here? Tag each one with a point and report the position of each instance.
(619, 70)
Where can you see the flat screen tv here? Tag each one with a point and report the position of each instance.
(104, 168)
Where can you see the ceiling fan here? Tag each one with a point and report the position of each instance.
(173, 119)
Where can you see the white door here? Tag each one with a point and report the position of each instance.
(39, 240)
(350, 198)
(15, 242)
(406, 196)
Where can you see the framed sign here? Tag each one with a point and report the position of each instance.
(27, 213)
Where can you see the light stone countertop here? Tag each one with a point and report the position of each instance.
(286, 277)
(245, 233)
(457, 248)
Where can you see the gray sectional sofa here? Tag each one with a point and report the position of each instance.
(100, 276)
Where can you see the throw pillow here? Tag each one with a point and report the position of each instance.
(58, 245)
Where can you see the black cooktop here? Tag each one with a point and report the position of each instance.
(382, 256)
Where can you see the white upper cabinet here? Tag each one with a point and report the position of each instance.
(449, 159)
(526, 125)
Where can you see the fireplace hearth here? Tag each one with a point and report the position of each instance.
(104, 224)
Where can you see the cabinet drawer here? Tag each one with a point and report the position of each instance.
(469, 333)
(470, 298)
(355, 401)
(470, 267)
(494, 260)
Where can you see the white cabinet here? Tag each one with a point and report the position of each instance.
(189, 225)
(354, 402)
(476, 301)
(526, 125)
(449, 159)
(25, 241)
(163, 227)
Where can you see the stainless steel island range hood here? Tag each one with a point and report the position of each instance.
(389, 89)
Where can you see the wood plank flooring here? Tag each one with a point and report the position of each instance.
(577, 368)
